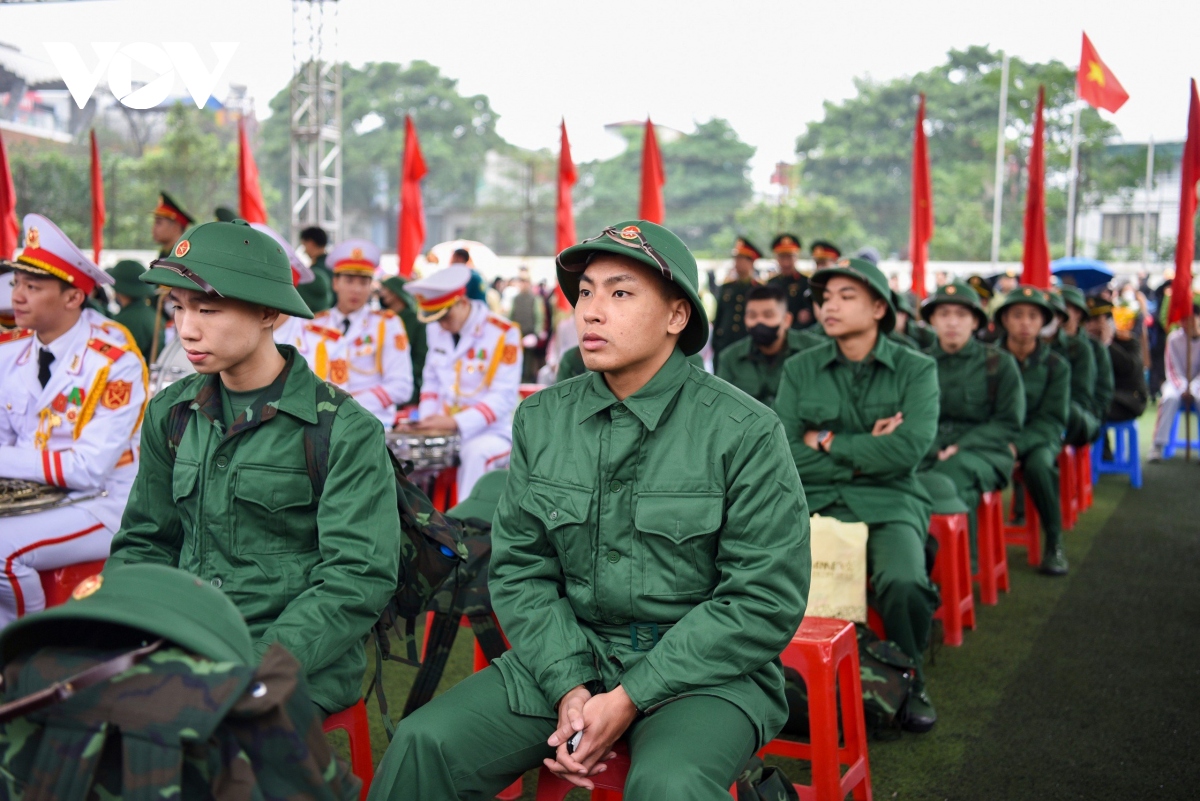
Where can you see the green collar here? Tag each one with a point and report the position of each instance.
(291, 392)
(648, 404)
(1034, 358)
(968, 349)
(884, 352)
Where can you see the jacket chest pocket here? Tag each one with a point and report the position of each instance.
(274, 511)
(819, 413)
(678, 535)
(184, 477)
(563, 512)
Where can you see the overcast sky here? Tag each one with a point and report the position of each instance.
(765, 65)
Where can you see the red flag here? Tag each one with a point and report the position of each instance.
(412, 211)
(98, 213)
(10, 229)
(250, 200)
(653, 179)
(1036, 257)
(1185, 245)
(565, 224)
(1095, 82)
(921, 230)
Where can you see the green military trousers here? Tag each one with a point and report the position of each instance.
(467, 744)
(972, 476)
(1040, 468)
(903, 593)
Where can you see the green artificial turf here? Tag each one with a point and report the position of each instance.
(1002, 732)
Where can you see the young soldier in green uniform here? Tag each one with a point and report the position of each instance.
(393, 295)
(224, 491)
(1078, 312)
(1046, 376)
(982, 400)
(136, 313)
(860, 412)
(729, 325)
(650, 560)
(794, 284)
(571, 364)
(1072, 344)
(907, 322)
(753, 364)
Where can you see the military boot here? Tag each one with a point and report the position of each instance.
(1054, 558)
(919, 714)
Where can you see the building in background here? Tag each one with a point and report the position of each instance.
(1113, 229)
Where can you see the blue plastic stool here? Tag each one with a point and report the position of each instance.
(1127, 460)
(1174, 443)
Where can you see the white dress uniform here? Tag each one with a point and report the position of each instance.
(80, 432)
(366, 352)
(475, 379)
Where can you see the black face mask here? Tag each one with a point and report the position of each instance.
(763, 334)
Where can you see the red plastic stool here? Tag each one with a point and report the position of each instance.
(610, 785)
(445, 489)
(952, 573)
(825, 653)
(353, 721)
(58, 584)
(993, 556)
(1068, 487)
(1027, 536)
(1083, 472)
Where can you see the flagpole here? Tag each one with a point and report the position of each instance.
(1072, 187)
(1146, 213)
(997, 199)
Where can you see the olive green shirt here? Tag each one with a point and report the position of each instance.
(982, 403)
(237, 509)
(678, 508)
(418, 347)
(571, 364)
(138, 317)
(1105, 380)
(745, 366)
(919, 332)
(1046, 377)
(874, 476)
(1078, 353)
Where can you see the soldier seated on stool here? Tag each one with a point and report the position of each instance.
(650, 560)
(354, 347)
(472, 372)
(72, 391)
(226, 491)
(982, 400)
(1070, 342)
(754, 363)
(860, 411)
(1046, 378)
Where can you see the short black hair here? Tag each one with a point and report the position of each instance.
(315, 234)
(462, 253)
(766, 292)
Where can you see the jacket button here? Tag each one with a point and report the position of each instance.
(614, 557)
(554, 515)
(222, 461)
(216, 582)
(615, 486)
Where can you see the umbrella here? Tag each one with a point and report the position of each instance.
(1081, 272)
(483, 258)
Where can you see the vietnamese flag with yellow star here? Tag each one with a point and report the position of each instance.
(1096, 83)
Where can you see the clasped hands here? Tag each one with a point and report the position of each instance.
(603, 719)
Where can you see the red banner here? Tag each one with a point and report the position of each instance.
(921, 229)
(98, 212)
(653, 209)
(412, 210)
(1036, 256)
(1185, 245)
(565, 223)
(10, 229)
(251, 207)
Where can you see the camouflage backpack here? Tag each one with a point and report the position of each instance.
(161, 723)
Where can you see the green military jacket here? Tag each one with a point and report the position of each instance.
(318, 293)
(237, 509)
(799, 299)
(419, 346)
(678, 510)
(874, 476)
(729, 323)
(1046, 377)
(982, 403)
(753, 372)
(1105, 380)
(1078, 353)
(138, 317)
(920, 333)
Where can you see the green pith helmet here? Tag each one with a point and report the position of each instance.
(125, 279)
(156, 599)
(1073, 296)
(234, 261)
(224, 214)
(1056, 302)
(395, 285)
(1025, 294)
(484, 498)
(959, 292)
(863, 271)
(901, 302)
(630, 239)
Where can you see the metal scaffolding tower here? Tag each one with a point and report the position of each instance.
(316, 176)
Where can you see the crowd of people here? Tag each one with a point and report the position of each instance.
(650, 548)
